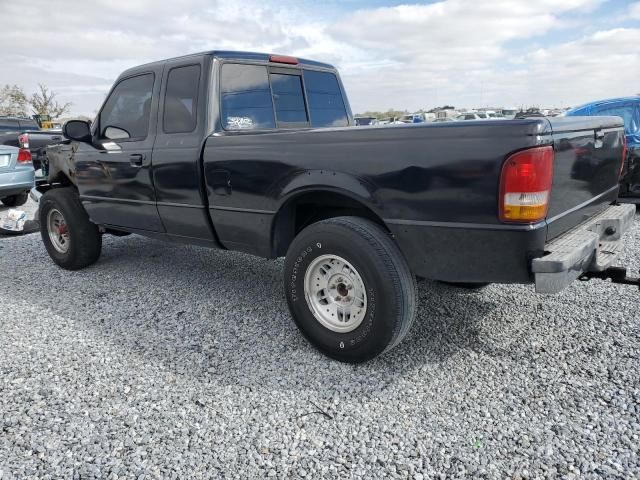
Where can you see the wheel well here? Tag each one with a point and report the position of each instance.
(62, 179)
(313, 207)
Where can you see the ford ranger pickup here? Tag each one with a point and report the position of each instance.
(259, 153)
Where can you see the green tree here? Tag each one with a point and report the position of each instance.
(44, 103)
(13, 101)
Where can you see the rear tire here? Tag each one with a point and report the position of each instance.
(349, 288)
(16, 200)
(71, 239)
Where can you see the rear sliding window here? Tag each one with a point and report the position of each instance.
(261, 97)
(29, 125)
(288, 99)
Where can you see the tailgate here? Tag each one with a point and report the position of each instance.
(588, 156)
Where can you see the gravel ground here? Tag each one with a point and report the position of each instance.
(166, 361)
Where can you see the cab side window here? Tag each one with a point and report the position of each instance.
(129, 107)
(181, 99)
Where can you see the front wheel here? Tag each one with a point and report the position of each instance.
(71, 239)
(349, 288)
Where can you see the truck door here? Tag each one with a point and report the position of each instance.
(176, 154)
(114, 172)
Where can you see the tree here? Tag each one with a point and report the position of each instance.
(13, 101)
(44, 103)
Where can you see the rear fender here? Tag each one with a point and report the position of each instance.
(335, 182)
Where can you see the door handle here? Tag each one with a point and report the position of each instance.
(136, 159)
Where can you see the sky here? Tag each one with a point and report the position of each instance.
(391, 54)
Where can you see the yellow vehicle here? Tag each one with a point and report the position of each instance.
(45, 122)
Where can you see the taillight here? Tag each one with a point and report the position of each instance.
(283, 59)
(24, 156)
(525, 185)
(23, 140)
(624, 156)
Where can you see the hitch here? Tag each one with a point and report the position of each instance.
(616, 274)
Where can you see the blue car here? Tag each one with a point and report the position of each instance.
(629, 109)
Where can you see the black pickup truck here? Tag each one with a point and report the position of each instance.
(259, 153)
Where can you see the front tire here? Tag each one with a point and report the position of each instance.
(349, 288)
(71, 239)
(16, 200)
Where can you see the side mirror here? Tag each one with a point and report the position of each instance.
(77, 130)
(116, 133)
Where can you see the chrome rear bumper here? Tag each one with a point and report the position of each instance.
(590, 247)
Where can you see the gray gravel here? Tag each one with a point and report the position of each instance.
(166, 361)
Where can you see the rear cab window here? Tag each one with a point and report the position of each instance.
(261, 97)
(29, 125)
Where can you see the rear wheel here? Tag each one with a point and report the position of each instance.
(349, 289)
(16, 200)
(71, 239)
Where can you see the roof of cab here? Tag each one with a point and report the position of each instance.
(229, 55)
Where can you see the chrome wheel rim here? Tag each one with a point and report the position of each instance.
(58, 231)
(335, 293)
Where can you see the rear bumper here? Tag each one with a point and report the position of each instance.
(16, 181)
(590, 246)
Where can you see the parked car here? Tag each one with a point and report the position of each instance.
(255, 153)
(629, 110)
(364, 121)
(472, 116)
(509, 112)
(16, 175)
(413, 118)
(529, 113)
(493, 115)
(25, 133)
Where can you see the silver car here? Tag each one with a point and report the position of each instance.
(17, 176)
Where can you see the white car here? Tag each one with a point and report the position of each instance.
(472, 116)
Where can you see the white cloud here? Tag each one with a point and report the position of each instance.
(465, 52)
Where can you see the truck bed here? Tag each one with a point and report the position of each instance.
(434, 186)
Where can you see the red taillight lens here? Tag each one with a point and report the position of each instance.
(24, 156)
(283, 59)
(525, 185)
(624, 156)
(23, 140)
